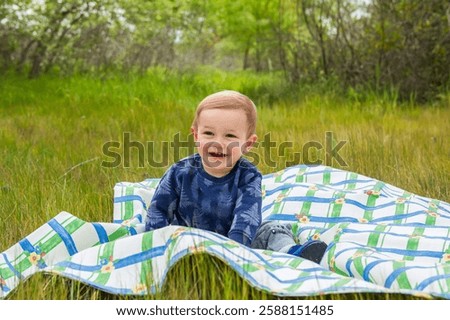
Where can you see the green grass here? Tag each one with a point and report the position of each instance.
(52, 131)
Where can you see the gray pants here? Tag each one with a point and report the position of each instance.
(274, 236)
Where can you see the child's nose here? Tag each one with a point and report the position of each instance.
(221, 143)
(217, 144)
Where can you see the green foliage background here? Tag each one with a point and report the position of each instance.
(401, 46)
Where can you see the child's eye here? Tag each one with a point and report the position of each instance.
(230, 135)
(208, 133)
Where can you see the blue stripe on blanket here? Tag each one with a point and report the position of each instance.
(130, 198)
(300, 199)
(443, 209)
(394, 275)
(402, 252)
(309, 199)
(11, 267)
(396, 234)
(101, 232)
(328, 187)
(292, 217)
(412, 253)
(280, 188)
(140, 257)
(349, 181)
(124, 262)
(26, 245)
(372, 265)
(348, 265)
(65, 236)
(399, 217)
(425, 283)
(4, 288)
(370, 208)
(290, 176)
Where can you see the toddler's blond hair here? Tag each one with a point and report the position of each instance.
(231, 100)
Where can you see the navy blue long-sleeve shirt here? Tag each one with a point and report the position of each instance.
(188, 196)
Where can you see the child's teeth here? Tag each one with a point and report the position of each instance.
(218, 154)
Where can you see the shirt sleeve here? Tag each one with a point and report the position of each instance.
(164, 203)
(247, 212)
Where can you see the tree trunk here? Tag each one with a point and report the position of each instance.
(24, 56)
(37, 60)
(246, 63)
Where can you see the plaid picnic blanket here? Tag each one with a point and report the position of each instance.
(381, 239)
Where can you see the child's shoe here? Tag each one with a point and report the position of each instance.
(312, 250)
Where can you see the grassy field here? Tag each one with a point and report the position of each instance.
(52, 133)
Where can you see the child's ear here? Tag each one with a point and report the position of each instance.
(250, 142)
(194, 132)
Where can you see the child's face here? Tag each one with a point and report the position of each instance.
(222, 138)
